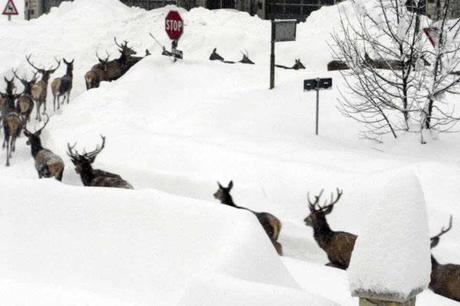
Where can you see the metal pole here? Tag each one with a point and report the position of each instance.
(272, 56)
(317, 106)
(9, 17)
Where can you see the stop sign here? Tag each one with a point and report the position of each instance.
(174, 25)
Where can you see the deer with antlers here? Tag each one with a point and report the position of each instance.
(337, 245)
(47, 163)
(270, 223)
(116, 68)
(25, 103)
(98, 73)
(61, 87)
(445, 279)
(94, 177)
(11, 121)
(40, 89)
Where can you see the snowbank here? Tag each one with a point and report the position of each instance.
(391, 258)
(139, 246)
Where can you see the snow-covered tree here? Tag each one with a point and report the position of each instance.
(396, 78)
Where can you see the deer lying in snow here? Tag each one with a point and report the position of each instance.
(47, 163)
(25, 103)
(40, 89)
(445, 279)
(337, 245)
(270, 223)
(11, 121)
(61, 87)
(94, 177)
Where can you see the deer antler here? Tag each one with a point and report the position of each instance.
(435, 239)
(332, 202)
(97, 150)
(44, 125)
(316, 201)
(116, 42)
(52, 70)
(31, 64)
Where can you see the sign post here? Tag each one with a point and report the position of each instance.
(174, 27)
(282, 30)
(10, 9)
(317, 84)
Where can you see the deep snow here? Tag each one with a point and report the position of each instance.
(172, 131)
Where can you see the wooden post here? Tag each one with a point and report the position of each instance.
(272, 56)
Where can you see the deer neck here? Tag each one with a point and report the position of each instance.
(35, 146)
(45, 79)
(69, 72)
(434, 263)
(87, 175)
(228, 200)
(321, 231)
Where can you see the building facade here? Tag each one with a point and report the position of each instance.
(266, 9)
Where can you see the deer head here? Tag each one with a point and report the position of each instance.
(435, 239)
(223, 193)
(10, 86)
(34, 138)
(318, 212)
(84, 161)
(103, 61)
(69, 66)
(124, 49)
(46, 73)
(27, 84)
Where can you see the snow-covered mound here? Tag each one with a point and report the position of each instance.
(173, 130)
(142, 247)
(391, 258)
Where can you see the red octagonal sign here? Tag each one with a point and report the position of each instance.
(174, 25)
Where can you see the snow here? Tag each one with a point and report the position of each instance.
(173, 130)
(391, 258)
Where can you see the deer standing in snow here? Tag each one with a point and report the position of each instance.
(445, 279)
(25, 103)
(98, 73)
(270, 223)
(11, 121)
(40, 89)
(94, 177)
(47, 163)
(337, 245)
(61, 87)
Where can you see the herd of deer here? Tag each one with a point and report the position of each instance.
(16, 110)
(445, 279)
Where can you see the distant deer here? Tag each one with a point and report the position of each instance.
(98, 73)
(445, 279)
(25, 103)
(297, 65)
(11, 121)
(270, 223)
(61, 87)
(116, 68)
(40, 89)
(337, 245)
(94, 177)
(47, 163)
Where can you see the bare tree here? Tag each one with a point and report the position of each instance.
(394, 80)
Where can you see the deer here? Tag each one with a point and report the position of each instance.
(445, 278)
(11, 121)
(47, 163)
(98, 73)
(116, 68)
(40, 89)
(298, 65)
(337, 245)
(271, 224)
(94, 177)
(25, 103)
(61, 87)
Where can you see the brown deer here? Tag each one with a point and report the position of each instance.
(98, 73)
(25, 103)
(445, 279)
(337, 245)
(94, 177)
(61, 87)
(40, 89)
(116, 68)
(270, 223)
(47, 163)
(11, 121)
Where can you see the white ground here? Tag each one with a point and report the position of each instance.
(172, 131)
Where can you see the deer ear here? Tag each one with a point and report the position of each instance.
(220, 185)
(328, 210)
(230, 185)
(434, 242)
